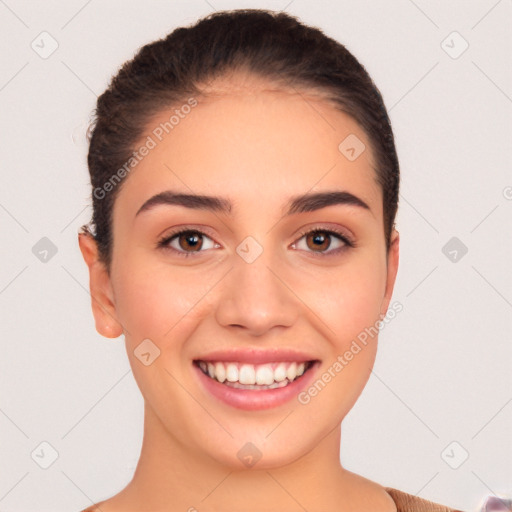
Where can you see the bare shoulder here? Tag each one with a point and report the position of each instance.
(102, 506)
(119, 502)
(375, 494)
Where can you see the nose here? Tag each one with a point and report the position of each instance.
(256, 297)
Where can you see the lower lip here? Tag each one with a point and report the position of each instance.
(255, 399)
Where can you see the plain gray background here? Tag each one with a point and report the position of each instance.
(441, 389)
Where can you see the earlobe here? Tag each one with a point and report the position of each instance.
(392, 269)
(102, 299)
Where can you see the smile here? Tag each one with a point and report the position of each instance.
(254, 376)
(254, 386)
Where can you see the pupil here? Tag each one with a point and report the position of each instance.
(320, 239)
(193, 237)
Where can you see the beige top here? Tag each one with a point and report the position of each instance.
(409, 503)
(404, 503)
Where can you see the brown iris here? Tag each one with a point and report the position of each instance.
(320, 240)
(193, 240)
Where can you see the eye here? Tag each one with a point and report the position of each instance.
(319, 240)
(186, 239)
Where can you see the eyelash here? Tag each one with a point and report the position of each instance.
(162, 243)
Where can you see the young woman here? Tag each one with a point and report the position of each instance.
(245, 186)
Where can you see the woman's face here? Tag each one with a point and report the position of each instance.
(250, 288)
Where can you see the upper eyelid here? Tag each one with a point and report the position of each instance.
(336, 232)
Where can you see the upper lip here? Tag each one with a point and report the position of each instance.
(257, 356)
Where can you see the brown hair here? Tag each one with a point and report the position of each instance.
(273, 45)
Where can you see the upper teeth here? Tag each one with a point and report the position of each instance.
(244, 373)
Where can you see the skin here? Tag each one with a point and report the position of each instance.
(257, 147)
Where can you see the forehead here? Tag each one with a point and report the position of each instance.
(252, 141)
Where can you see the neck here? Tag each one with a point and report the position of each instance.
(170, 476)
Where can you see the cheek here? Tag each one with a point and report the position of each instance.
(347, 299)
(153, 302)
(352, 306)
(163, 306)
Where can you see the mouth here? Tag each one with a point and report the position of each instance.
(256, 377)
(255, 386)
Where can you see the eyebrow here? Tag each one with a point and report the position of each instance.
(297, 204)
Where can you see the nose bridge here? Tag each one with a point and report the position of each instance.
(256, 268)
(255, 296)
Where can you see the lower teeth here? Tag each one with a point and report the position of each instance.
(256, 386)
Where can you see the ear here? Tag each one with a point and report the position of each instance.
(102, 297)
(392, 268)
